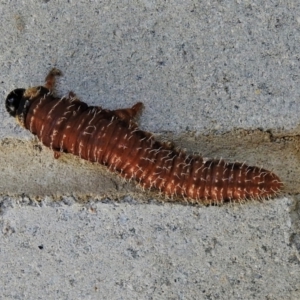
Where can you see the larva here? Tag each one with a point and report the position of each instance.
(113, 139)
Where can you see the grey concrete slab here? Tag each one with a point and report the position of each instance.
(208, 67)
(202, 66)
(65, 250)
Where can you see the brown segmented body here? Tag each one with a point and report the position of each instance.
(112, 138)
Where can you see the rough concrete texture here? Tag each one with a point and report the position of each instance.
(217, 77)
(65, 250)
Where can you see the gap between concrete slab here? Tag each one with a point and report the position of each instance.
(29, 168)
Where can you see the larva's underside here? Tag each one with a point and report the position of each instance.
(113, 139)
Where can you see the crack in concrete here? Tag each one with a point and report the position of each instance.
(29, 168)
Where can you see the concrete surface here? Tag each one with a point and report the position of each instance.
(65, 250)
(210, 74)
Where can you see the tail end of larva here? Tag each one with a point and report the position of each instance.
(273, 185)
(263, 184)
(242, 182)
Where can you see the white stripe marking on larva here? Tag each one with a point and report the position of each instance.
(54, 106)
(41, 132)
(54, 133)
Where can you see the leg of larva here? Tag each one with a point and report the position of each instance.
(127, 114)
(50, 78)
(56, 154)
(72, 96)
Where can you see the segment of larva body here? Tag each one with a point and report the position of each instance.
(112, 138)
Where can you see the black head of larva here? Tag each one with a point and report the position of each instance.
(13, 101)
